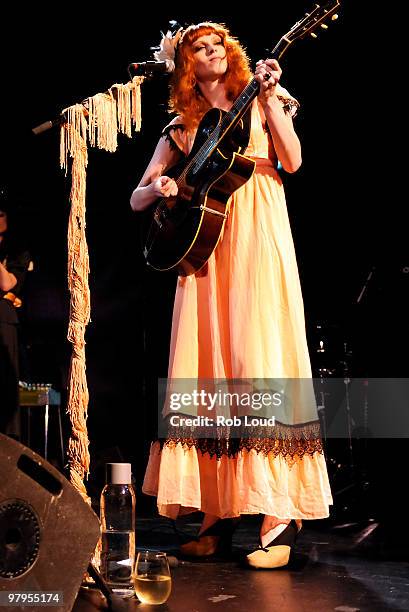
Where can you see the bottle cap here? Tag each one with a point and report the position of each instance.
(118, 473)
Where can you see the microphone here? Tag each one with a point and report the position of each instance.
(151, 67)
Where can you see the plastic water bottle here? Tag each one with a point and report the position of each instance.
(118, 529)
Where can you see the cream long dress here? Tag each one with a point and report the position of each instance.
(242, 316)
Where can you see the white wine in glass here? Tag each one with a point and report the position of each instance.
(153, 582)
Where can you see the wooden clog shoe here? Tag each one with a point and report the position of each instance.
(213, 541)
(276, 553)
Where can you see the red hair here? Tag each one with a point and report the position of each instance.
(186, 98)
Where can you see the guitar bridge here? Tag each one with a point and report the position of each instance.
(213, 211)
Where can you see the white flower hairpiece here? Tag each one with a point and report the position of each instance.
(167, 48)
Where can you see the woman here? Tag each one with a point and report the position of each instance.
(239, 317)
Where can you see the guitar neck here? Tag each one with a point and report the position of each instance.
(250, 92)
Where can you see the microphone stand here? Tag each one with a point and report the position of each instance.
(148, 73)
(365, 287)
(366, 525)
(347, 382)
(115, 603)
(48, 125)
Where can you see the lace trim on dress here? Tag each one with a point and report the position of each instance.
(292, 442)
(166, 132)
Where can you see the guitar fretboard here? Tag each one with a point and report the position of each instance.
(240, 105)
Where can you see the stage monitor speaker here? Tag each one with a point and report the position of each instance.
(48, 533)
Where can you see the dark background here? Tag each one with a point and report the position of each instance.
(344, 217)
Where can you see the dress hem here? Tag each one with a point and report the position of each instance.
(190, 508)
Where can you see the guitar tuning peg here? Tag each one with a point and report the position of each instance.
(334, 17)
(314, 35)
(324, 26)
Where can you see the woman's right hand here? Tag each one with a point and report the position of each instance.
(164, 187)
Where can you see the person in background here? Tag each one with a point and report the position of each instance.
(14, 263)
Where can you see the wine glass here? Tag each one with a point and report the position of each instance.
(152, 577)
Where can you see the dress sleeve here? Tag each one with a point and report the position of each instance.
(175, 134)
(290, 104)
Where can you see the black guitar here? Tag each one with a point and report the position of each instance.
(182, 232)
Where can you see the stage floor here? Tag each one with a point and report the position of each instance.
(329, 571)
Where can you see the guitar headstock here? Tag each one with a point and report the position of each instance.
(312, 21)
